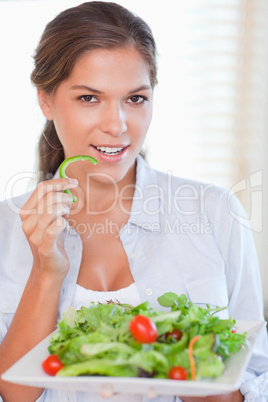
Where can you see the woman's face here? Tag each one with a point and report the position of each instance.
(104, 110)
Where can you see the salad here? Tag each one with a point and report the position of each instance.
(185, 343)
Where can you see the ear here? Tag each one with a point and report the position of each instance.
(45, 103)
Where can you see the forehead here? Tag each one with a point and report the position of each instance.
(106, 67)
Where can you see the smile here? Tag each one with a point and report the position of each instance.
(109, 150)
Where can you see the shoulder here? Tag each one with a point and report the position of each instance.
(192, 201)
(10, 217)
(189, 197)
(10, 207)
(16, 256)
(177, 183)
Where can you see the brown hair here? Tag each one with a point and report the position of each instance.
(89, 26)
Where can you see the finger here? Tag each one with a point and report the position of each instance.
(107, 391)
(51, 202)
(43, 188)
(39, 224)
(35, 221)
(106, 394)
(48, 205)
(53, 231)
(55, 197)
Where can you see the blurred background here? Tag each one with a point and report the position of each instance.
(210, 118)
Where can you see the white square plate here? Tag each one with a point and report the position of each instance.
(28, 371)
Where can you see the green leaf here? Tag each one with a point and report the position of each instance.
(118, 368)
(106, 348)
(211, 367)
(168, 299)
(150, 361)
(141, 308)
(203, 347)
(180, 359)
(172, 348)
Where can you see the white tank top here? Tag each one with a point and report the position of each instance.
(83, 297)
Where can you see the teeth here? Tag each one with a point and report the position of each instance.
(108, 150)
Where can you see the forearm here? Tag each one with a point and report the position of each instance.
(35, 318)
(235, 396)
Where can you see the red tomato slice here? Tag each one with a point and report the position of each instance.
(177, 373)
(143, 329)
(52, 364)
(176, 334)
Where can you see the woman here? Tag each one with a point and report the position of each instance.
(133, 233)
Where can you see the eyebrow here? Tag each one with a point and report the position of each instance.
(143, 87)
(96, 91)
(86, 88)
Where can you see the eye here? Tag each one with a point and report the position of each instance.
(137, 99)
(88, 98)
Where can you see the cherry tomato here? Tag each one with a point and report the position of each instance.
(52, 364)
(177, 373)
(233, 331)
(175, 333)
(143, 329)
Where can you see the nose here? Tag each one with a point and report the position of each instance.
(113, 120)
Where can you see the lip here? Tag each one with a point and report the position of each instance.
(110, 158)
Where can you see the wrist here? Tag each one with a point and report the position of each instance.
(45, 285)
(46, 280)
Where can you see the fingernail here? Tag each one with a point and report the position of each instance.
(73, 181)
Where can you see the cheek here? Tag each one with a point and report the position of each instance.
(142, 123)
(149, 118)
(70, 126)
(148, 114)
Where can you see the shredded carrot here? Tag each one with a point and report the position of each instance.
(191, 355)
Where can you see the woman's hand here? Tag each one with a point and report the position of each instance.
(235, 396)
(43, 223)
